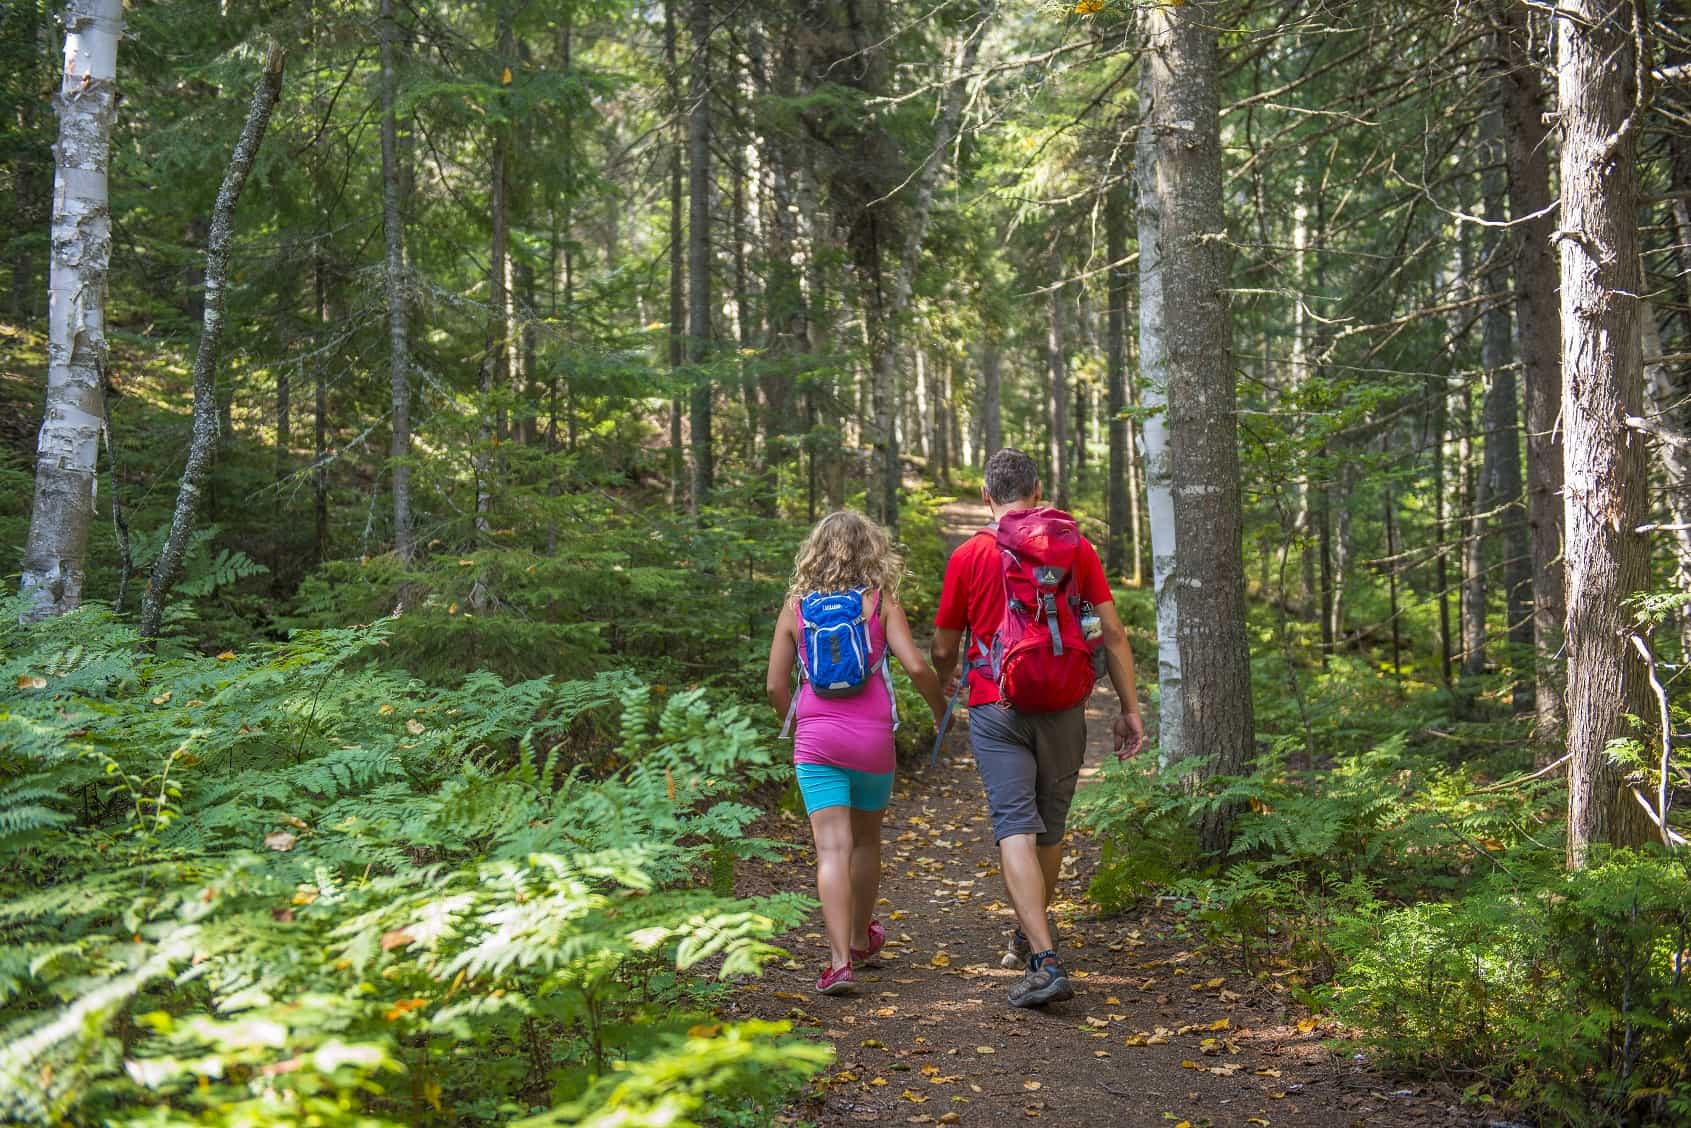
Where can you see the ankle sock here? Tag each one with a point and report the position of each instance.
(1038, 958)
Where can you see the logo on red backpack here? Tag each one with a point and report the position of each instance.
(1040, 656)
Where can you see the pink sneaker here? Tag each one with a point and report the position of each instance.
(877, 941)
(836, 981)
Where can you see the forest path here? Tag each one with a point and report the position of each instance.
(1160, 1031)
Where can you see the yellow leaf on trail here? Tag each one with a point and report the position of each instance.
(846, 1075)
(792, 996)
(950, 1118)
(886, 1012)
(1257, 1120)
(1184, 1124)
(872, 1044)
(1305, 1025)
(1032, 1086)
(1220, 1024)
(985, 1050)
(1214, 983)
(913, 1096)
(877, 1081)
(940, 960)
(31, 681)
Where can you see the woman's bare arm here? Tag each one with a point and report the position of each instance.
(783, 650)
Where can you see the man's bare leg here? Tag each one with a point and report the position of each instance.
(1050, 865)
(1024, 877)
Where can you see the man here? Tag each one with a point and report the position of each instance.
(1029, 763)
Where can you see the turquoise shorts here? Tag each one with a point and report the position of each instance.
(824, 785)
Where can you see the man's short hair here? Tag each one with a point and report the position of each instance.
(1010, 476)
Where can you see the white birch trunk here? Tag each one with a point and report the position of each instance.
(56, 552)
(1153, 393)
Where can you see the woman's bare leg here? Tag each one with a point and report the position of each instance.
(831, 828)
(865, 873)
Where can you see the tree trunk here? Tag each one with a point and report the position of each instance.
(393, 234)
(1602, 384)
(56, 552)
(1056, 400)
(167, 568)
(1181, 136)
(1538, 330)
(1154, 393)
(1501, 480)
(1472, 553)
(320, 416)
(496, 363)
(677, 337)
(992, 400)
(698, 253)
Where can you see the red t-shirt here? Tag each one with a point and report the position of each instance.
(973, 597)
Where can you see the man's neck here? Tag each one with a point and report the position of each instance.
(998, 511)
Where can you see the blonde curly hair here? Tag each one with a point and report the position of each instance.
(846, 550)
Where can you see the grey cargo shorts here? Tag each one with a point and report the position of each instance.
(1029, 764)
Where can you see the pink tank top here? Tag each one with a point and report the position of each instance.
(854, 732)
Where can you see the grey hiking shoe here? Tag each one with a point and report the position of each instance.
(1044, 983)
(1017, 953)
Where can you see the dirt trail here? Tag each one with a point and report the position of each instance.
(1158, 1032)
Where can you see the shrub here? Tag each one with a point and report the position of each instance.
(1568, 991)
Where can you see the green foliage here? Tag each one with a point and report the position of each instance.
(292, 884)
(1567, 991)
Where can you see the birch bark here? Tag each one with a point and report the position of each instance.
(56, 551)
(1153, 393)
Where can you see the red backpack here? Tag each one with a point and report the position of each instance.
(1040, 656)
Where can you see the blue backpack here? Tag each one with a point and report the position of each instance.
(836, 642)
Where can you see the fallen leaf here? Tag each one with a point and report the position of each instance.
(704, 1030)
(1305, 1025)
(398, 938)
(940, 960)
(985, 1050)
(1032, 1086)
(950, 1118)
(226, 656)
(913, 1096)
(31, 681)
(280, 840)
(414, 727)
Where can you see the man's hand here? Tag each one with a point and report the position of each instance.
(1129, 731)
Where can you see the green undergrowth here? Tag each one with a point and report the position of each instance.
(294, 884)
(1403, 873)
